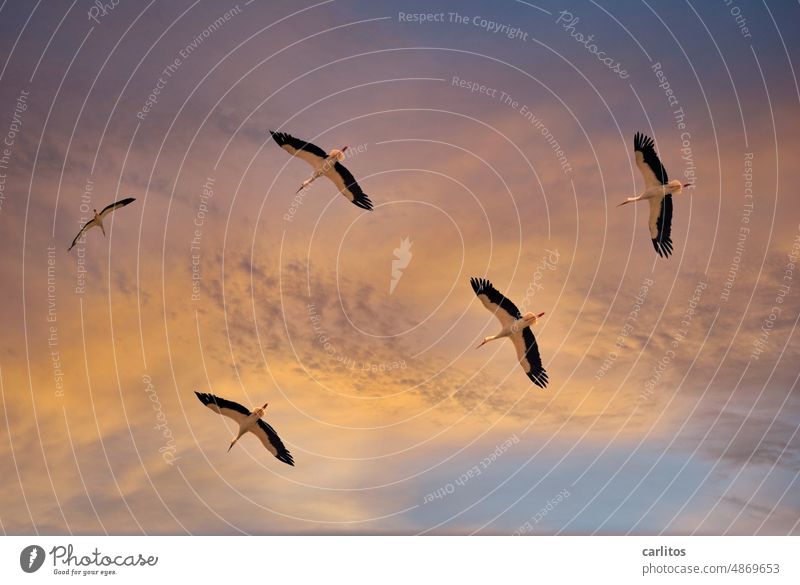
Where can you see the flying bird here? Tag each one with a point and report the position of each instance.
(516, 326)
(325, 164)
(97, 220)
(248, 421)
(658, 191)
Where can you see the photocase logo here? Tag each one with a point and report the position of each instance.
(402, 257)
(31, 558)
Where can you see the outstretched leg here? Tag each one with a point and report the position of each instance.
(308, 181)
(305, 184)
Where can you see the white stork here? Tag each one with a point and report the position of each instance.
(248, 421)
(328, 165)
(97, 220)
(658, 191)
(515, 326)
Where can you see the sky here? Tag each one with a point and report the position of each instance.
(497, 139)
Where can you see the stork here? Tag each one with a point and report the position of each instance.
(658, 191)
(248, 421)
(328, 165)
(516, 326)
(97, 220)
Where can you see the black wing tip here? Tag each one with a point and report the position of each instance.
(207, 398)
(642, 141)
(279, 137)
(117, 204)
(663, 247)
(363, 202)
(286, 457)
(539, 378)
(480, 285)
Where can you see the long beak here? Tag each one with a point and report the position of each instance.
(623, 203)
(265, 405)
(481, 344)
(540, 315)
(231, 447)
(687, 185)
(300, 189)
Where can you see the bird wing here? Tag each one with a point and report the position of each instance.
(272, 442)
(506, 311)
(232, 410)
(528, 355)
(648, 162)
(311, 153)
(347, 185)
(116, 205)
(661, 224)
(88, 225)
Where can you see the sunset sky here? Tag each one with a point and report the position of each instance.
(673, 404)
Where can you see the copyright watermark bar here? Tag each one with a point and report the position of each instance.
(168, 450)
(178, 60)
(477, 21)
(743, 234)
(506, 99)
(10, 138)
(551, 504)
(679, 116)
(568, 22)
(781, 293)
(678, 337)
(627, 329)
(195, 243)
(476, 470)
